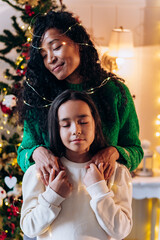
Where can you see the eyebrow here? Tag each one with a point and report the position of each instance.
(79, 116)
(53, 41)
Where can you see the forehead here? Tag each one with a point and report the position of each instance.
(52, 35)
(74, 108)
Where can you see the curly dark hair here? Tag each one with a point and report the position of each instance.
(56, 145)
(46, 83)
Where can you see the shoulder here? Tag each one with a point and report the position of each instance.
(121, 175)
(30, 174)
(116, 86)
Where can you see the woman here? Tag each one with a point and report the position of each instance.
(63, 57)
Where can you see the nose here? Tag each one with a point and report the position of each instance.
(51, 57)
(76, 129)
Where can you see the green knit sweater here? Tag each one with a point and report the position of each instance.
(119, 123)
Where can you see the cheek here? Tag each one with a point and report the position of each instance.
(45, 63)
(63, 135)
(91, 132)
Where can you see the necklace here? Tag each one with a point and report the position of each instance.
(89, 91)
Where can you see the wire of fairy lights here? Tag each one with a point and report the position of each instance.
(89, 91)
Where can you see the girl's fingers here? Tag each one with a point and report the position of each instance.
(52, 175)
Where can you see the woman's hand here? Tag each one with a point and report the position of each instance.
(60, 184)
(94, 174)
(45, 161)
(108, 157)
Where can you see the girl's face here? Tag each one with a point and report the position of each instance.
(60, 54)
(76, 126)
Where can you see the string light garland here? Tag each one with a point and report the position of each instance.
(34, 35)
(89, 91)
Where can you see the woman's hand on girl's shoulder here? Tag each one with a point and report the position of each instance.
(108, 157)
(45, 161)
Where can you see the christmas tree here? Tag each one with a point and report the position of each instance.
(10, 173)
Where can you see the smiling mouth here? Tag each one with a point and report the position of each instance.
(58, 67)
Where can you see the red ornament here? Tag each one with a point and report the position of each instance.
(21, 72)
(5, 109)
(29, 10)
(3, 236)
(17, 85)
(26, 50)
(8, 103)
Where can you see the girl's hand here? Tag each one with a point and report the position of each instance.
(93, 174)
(45, 161)
(60, 183)
(108, 157)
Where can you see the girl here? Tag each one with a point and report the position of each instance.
(78, 203)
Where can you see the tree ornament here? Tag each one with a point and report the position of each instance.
(21, 72)
(10, 181)
(8, 102)
(2, 195)
(28, 10)
(3, 235)
(16, 192)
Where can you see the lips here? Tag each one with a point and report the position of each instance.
(78, 140)
(58, 67)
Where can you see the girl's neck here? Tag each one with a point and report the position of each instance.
(77, 157)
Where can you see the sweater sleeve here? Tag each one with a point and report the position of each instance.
(40, 206)
(129, 145)
(112, 207)
(31, 140)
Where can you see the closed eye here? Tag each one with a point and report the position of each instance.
(57, 48)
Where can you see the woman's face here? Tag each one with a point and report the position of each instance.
(76, 126)
(60, 54)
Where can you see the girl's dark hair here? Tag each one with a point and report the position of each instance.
(56, 144)
(46, 83)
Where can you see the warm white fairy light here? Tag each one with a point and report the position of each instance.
(157, 122)
(29, 39)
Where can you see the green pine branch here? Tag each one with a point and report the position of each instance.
(13, 41)
(11, 76)
(9, 61)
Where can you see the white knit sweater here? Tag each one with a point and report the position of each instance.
(101, 211)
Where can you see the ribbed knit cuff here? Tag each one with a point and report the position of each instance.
(52, 197)
(98, 189)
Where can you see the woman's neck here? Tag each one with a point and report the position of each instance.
(78, 157)
(74, 78)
